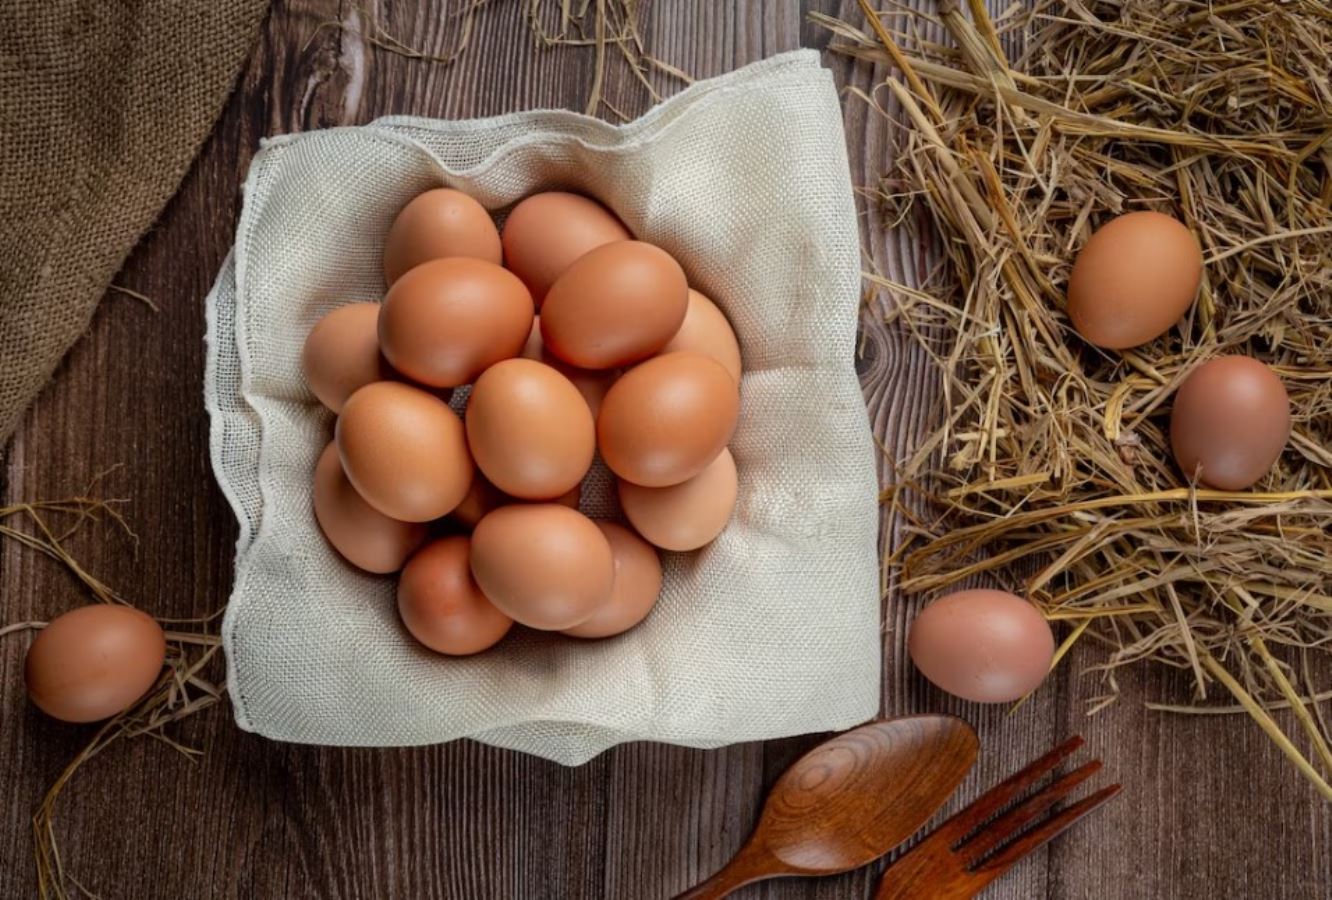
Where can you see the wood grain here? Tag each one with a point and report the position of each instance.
(1210, 809)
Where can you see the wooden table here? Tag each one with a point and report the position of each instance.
(1210, 809)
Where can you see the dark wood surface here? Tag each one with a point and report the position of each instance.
(1210, 809)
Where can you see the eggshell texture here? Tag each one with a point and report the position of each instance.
(364, 536)
(448, 320)
(1230, 422)
(688, 515)
(665, 420)
(94, 662)
(616, 305)
(591, 383)
(482, 497)
(634, 591)
(439, 224)
(544, 565)
(441, 605)
(1134, 279)
(982, 645)
(404, 451)
(545, 233)
(529, 429)
(705, 330)
(341, 354)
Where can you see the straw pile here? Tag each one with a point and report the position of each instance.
(1050, 463)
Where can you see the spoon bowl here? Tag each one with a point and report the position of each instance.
(850, 800)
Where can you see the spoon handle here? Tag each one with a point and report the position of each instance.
(745, 869)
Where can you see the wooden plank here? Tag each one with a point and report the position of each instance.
(1210, 809)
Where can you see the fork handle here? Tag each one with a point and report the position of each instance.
(745, 868)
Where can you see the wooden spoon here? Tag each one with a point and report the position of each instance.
(850, 800)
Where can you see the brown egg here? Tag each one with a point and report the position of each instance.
(364, 536)
(441, 605)
(404, 451)
(448, 320)
(342, 354)
(545, 233)
(591, 383)
(1134, 279)
(634, 591)
(94, 662)
(706, 331)
(544, 565)
(982, 645)
(439, 224)
(530, 430)
(1230, 422)
(569, 498)
(688, 515)
(482, 497)
(665, 420)
(616, 305)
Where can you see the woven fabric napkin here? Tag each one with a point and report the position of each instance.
(771, 630)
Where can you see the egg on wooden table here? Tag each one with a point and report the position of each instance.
(437, 224)
(666, 419)
(616, 305)
(446, 321)
(363, 535)
(441, 605)
(529, 430)
(1134, 279)
(546, 232)
(982, 645)
(634, 590)
(688, 515)
(544, 565)
(1230, 422)
(404, 450)
(94, 662)
(341, 354)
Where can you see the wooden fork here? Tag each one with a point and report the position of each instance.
(963, 855)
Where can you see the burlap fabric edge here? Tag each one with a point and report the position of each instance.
(105, 106)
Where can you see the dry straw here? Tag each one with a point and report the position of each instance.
(607, 26)
(1049, 463)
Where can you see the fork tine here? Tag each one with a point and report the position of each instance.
(1012, 822)
(1040, 835)
(1000, 795)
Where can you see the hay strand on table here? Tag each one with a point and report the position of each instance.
(603, 25)
(1049, 462)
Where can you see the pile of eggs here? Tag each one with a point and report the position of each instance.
(589, 341)
(575, 340)
(1133, 280)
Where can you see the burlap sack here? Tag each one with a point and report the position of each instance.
(102, 108)
(771, 630)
